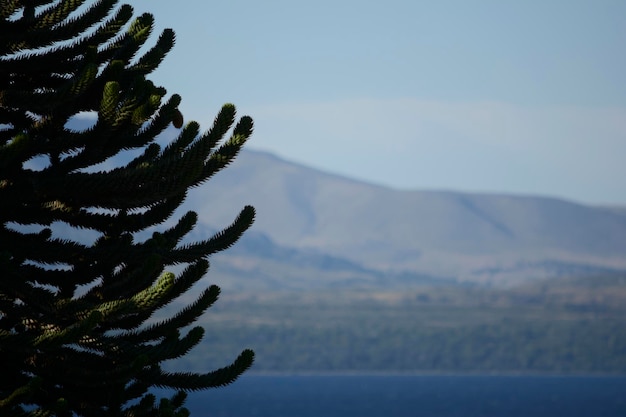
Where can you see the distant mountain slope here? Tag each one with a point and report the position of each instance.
(478, 237)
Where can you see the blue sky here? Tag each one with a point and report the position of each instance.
(525, 97)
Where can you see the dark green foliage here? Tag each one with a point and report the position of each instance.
(553, 326)
(76, 335)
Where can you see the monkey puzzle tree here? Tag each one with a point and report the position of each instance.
(77, 331)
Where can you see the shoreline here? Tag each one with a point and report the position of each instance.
(418, 373)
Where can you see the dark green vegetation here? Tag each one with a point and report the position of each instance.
(552, 326)
(84, 253)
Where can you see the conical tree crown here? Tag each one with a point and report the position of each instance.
(75, 331)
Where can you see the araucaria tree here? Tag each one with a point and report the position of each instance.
(78, 333)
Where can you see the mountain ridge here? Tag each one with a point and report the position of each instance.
(436, 233)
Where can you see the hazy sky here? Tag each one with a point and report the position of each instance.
(494, 96)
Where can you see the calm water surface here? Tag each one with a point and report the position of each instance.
(404, 396)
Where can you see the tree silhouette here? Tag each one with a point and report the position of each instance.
(77, 330)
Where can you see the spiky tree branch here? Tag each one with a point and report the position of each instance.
(66, 350)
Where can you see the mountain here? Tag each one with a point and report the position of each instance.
(313, 221)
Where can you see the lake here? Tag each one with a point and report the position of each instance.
(411, 395)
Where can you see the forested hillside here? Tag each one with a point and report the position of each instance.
(564, 326)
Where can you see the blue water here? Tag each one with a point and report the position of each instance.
(409, 396)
